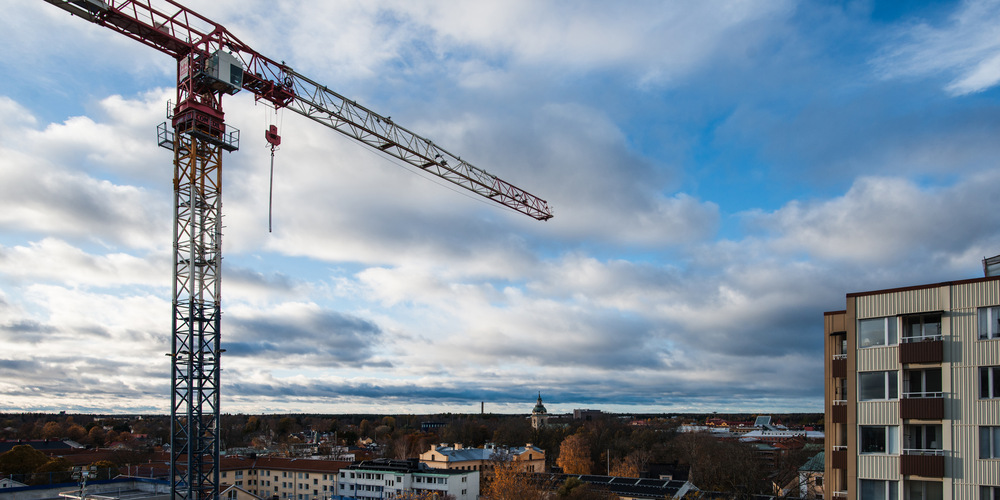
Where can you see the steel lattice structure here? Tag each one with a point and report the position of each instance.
(211, 63)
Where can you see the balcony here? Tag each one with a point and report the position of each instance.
(921, 349)
(838, 457)
(838, 367)
(838, 412)
(925, 463)
(922, 406)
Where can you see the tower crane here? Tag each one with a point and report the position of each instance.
(212, 63)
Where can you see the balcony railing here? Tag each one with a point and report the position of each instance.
(922, 338)
(840, 494)
(923, 452)
(840, 447)
(839, 356)
(927, 463)
(928, 349)
(919, 395)
(922, 405)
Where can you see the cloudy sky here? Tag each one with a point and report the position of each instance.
(722, 172)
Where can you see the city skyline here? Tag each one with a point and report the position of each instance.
(720, 172)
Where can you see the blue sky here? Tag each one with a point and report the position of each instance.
(722, 173)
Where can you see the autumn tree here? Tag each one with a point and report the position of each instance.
(632, 464)
(575, 489)
(22, 459)
(574, 455)
(506, 481)
(52, 430)
(55, 470)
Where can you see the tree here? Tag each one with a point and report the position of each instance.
(574, 455)
(52, 430)
(506, 481)
(632, 465)
(575, 489)
(56, 470)
(22, 459)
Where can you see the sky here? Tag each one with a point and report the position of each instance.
(721, 172)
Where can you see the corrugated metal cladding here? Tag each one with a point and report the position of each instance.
(878, 359)
(902, 302)
(975, 471)
(972, 295)
(987, 352)
(884, 467)
(988, 412)
(878, 412)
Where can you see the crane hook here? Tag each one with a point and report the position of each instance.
(271, 134)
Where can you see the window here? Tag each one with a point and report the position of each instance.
(874, 386)
(877, 331)
(989, 322)
(989, 442)
(879, 490)
(922, 439)
(880, 439)
(921, 327)
(989, 382)
(924, 490)
(922, 383)
(989, 493)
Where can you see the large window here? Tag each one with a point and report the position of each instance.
(924, 490)
(922, 326)
(989, 382)
(989, 322)
(877, 331)
(922, 383)
(874, 386)
(922, 439)
(989, 442)
(882, 439)
(989, 493)
(879, 490)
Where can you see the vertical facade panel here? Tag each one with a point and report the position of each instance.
(972, 295)
(902, 302)
(878, 412)
(878, 359)
(987, 352)
(878, 467)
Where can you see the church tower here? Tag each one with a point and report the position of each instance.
(539, 416)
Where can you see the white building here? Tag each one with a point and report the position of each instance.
(386, 479)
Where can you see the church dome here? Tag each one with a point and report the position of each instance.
(539, 407)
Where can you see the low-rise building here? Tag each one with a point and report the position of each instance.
(384, 478)
(282, 478)
(528, 457)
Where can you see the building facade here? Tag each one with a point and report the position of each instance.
(282, 478)
(529, 458)
(912, 390)
(385, 479)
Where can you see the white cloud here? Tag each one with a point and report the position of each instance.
(881, 220)
(965, 48)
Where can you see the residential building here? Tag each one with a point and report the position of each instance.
(528, 457)
(912, 389)
(384, 478)
(282, 478)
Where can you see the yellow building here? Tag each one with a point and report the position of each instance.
(528, 457)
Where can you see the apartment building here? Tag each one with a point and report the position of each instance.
(282, 478)
(384, 478)
(912, 389)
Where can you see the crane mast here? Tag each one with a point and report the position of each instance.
(212, 63)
